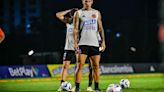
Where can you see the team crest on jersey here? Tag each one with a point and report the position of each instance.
(93, 15)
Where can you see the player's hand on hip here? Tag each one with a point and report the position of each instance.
(76, 47)
(103, 46)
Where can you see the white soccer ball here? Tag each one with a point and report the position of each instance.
(114, 88)
(110, 88)
(125, 83)
(117, 88)
(66, 86)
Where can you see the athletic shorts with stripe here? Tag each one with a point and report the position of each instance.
(69, 55)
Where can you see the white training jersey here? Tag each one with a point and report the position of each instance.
(99, 37)
(69, 42)
(88, 20)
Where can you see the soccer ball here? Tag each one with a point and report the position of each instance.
(110, 88)
(66, 86)
(114, 88)
(117, 88)
(125, 83)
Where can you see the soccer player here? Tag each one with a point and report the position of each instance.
(2, 35)
(90, 24)
(69, 51)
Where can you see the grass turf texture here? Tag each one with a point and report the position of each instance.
(139, 83)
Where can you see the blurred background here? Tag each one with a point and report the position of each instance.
(35, 36)
(32, 51)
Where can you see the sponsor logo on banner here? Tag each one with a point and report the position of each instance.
(24, 71)
(20, 71)
(55, 70)
(116, 68)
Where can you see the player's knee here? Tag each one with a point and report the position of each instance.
(96, 66)
(81, 65)
(65, 66)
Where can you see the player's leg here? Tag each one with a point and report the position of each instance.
(66, 62)
(95, 56)
(90, 73)
(80, 64)
(76, 59)
(90, 76)
(64, 70)
(95, 61)
(78, 75)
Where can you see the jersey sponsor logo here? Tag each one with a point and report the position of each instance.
(90, 21)
(93, 15)
(89, 27)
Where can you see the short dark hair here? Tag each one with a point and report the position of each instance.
(71, 13)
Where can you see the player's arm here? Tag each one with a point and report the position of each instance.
(2, 35)
(75, 30)
(101, 31)
(60, 15)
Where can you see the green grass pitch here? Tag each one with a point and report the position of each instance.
(153, 82)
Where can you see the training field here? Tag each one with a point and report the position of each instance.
(139, 83)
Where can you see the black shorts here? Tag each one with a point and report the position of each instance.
(69, 55)
(89, 50)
